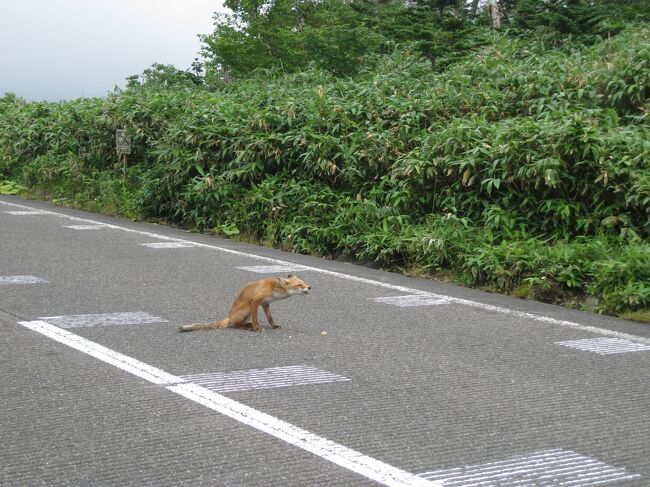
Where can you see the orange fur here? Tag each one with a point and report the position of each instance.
(253, 295)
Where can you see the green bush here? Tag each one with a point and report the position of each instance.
(524, 165)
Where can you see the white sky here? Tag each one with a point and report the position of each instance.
(60, 49)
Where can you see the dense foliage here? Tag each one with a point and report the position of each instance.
(338, 35)
(523, 168)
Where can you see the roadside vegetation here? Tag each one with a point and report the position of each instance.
(517, 160)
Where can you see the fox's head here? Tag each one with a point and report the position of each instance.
(293, 285)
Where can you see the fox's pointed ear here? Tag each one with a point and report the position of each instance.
(290, 276)
(283, 281)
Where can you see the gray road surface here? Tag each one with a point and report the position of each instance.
(415, 382)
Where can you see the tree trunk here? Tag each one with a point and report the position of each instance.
(494, 14)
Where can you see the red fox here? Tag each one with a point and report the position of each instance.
(249, 299)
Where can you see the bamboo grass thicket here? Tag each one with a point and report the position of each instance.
(524, 169)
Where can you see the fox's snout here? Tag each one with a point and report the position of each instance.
(295, 285)
(303, 290)
(299, 290)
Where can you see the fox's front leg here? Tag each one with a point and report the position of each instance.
(254, 309)
(269, 317)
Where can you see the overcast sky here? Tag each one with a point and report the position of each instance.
(61, 49)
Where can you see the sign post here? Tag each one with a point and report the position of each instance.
(123, 147)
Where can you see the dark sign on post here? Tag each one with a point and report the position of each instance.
(123, 147)
(122, 143)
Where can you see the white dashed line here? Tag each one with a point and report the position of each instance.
(84, 227)
(272, 269)
(362, 280)
(22, 280)
(269, 378)
(338, 454)
(25, 212)
(104, 319)
(167, 245)
(412, 301)
(605, 346)
(547, 467)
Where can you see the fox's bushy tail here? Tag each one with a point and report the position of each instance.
(215, 325)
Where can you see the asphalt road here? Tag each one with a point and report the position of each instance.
(414, 383)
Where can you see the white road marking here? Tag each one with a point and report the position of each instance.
(412, 300)
(85, 227)
(363, 280)
(605, 346)
(272, 269)
(543, 468)
(338, 454)
(26, 212)
(167, 245)
(104, 319)
(128, 364)
(269, 378)
(22, 280)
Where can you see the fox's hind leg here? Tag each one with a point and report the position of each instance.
(239, 316)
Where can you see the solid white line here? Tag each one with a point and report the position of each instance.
(371, 282)
(329, 450)
(338, 454)
(128, 364)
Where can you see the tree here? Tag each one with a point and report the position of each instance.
(165, 75)
(258, 34)
(337, 37)
(290, 34)
(565, 17)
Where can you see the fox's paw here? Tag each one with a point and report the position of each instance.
(277, 325)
